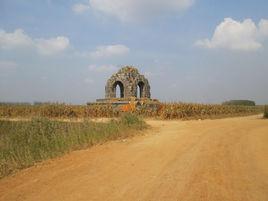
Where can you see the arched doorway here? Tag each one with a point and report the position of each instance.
(118, 89)
(140, 90)
(127, 83)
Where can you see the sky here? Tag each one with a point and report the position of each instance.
(205, 51)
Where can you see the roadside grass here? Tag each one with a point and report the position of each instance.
(24, 143)
(265, 115)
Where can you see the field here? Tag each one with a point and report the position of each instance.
(162, 111)
(37, 135)
(222, 159)
(23, 143)
(216, 159)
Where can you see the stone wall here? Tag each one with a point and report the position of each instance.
(127, 78)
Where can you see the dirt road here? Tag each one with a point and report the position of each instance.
(211, 160)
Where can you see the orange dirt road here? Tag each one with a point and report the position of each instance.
(215, 160)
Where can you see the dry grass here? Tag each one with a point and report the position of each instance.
(161, 110)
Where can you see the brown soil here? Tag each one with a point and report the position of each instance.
(211, 160)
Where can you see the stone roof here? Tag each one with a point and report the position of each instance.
(128, 69)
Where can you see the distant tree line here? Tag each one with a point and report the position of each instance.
(15, 103)
(28, 103)
(239, 102)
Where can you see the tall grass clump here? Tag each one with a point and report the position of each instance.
(265, 115)
(132, 120)
(23, 143)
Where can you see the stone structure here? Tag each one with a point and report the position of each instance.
(129, 81)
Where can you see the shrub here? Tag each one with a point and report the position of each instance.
(131, 120)
(265, 111)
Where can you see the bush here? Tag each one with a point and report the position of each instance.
(265, 115)
(240, 102)
(131, 120)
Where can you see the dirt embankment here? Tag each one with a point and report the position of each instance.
(210, 160)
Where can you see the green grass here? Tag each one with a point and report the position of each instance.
(24, 143)
(265, 115)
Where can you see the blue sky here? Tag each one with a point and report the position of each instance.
(193, 51)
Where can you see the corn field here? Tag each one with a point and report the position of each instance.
(161, 110)
(203, 111)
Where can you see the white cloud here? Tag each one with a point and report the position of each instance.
(135, 10)
(52, 45)
(14, 40)
(109, 51)
(263, 28)
(102, 68)
(235, 35)
(19, 39)
(80, 8)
